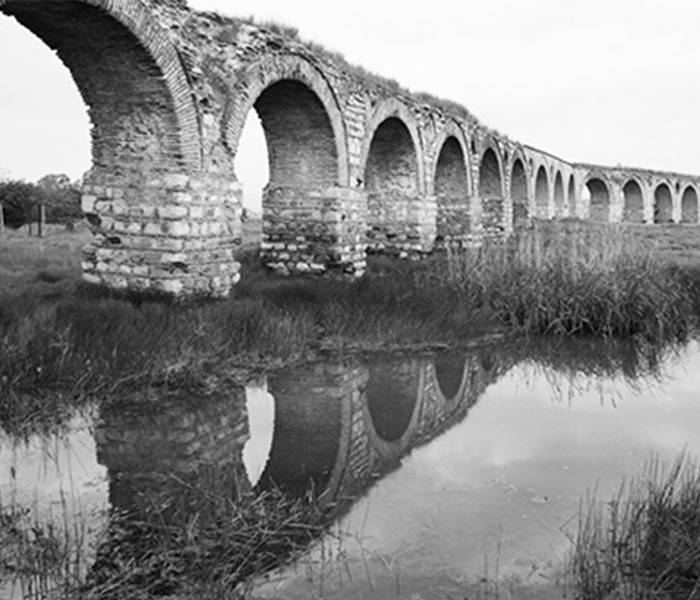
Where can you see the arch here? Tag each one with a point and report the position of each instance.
(490, 174)
(129, 75)
(301, 117)
(689, 205)
(663, 204)
(599, 206)
(451, 188)
(542, 193)
(571, 197)
(396, 113)
(453, 130)
(392, 402)
(559, 207)
(519, 194)
(491, 190)
(633, 202)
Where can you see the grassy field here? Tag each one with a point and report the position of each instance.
(562, 280)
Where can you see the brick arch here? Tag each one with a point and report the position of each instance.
(141, 103)
(454, 131)
(689, 204)
(489, 145)
(391, 387)
(264, 75)
(600, 188)
(662, 198)
(394, 109)
(542, 186)
(519, 189)
(633, 200)
(451, 376)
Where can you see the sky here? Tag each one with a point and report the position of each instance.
(604, 81)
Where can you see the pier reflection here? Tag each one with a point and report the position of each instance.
(338, 428)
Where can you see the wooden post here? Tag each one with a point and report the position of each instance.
(41, 219)
(2, 219)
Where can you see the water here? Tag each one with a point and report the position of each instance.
(432, 472)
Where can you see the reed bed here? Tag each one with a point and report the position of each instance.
(555, 279)
(644, 544)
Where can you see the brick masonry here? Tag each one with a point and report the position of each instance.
(357, 164)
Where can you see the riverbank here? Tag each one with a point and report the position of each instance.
(568, 279)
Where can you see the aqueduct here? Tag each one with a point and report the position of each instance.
(357, 164)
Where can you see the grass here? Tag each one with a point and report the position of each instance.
(643, 544)
(565, 279)
(59, 339)
(196, 539)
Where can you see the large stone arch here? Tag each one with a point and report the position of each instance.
(131, 78)
(542, 193)
(152, 187)
(400, 217)
(451, 374)
(491, 189)
(633, 201)
(689, 205)
(663, 203)
(284, 70)
(559, 198)
(519, 191)
(451, 186)
(599, 188)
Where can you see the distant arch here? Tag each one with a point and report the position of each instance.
(451, 185)
(599, 206)
(571, 198)
(490, 178)
(491, 191)
(519, 194)
(542, 193)
(559, 207)
(689, 205)
(663, 204)
(633, 197)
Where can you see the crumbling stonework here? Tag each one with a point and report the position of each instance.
(356, 163)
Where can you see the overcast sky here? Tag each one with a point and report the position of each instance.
(606, 81)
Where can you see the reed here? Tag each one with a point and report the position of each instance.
(555, 279)
(643, 544)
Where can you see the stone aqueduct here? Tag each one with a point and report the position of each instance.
(356, 163)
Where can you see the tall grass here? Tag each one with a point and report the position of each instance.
(600, 281)
(643, 544)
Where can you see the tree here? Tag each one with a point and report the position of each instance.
(62, 198)
(20, 200)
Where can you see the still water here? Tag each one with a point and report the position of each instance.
(431, 471)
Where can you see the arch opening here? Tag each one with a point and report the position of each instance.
(452, 192)
(689, 206)
(491, 193)
(633, 209)
(599, 203)
(519, 195)
(663, 204)
(559, 207)
(571, 198)
(135, 121)
(391, 180)
(449, 372)
(391, 399)
(542, 194)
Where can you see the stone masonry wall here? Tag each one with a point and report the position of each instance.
(355, 159)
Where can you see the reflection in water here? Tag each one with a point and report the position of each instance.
(251, 476)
